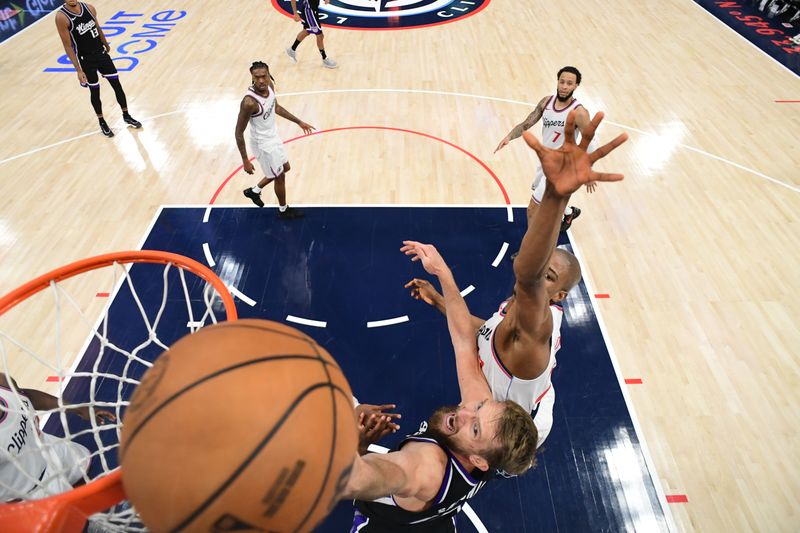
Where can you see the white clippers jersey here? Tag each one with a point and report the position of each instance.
(263, 130)
(17, 425)
(525, 392)
(553, 122)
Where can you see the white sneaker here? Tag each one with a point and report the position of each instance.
(292, 54)
(329, 63)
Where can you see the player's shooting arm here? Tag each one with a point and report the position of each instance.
(62, 24)
(471, 380)
(405, 473)
(246, 109)
(528, 123)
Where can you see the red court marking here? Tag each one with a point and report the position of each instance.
(339, 27)
(787, 101)
(602, 295)
(52, 379)
(677, 498)
(448, 143)
(102, 295)
(633, 381)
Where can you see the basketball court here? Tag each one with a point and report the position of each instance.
(676, 384)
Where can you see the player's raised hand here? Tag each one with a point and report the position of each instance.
(432, 262)
(570, 167)
(307, 128)
(374, 424)
(423, 290)
(502, 144)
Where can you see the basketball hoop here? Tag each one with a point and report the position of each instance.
(102, 376)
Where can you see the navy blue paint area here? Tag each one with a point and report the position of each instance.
(343, 266)
(770, 34)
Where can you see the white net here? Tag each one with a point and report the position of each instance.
(67, 379)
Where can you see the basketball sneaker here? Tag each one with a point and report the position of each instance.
(292, 54)
(105, 129)
(566, 222)
(131, 121)
(290, 213)
(329, 63)
(255, 196)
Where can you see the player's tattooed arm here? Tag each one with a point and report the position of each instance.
(247, 108)
(525, 125)
(531, 119)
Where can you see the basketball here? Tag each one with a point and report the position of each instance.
(242, 425)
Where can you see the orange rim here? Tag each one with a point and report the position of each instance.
(68, 511)
(135, 256)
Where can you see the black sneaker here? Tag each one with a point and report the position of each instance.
(290, 212)
(255, 196)
(131, 121)
(566, 222)
(105, 129)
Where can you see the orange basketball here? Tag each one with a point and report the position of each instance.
(242, 425)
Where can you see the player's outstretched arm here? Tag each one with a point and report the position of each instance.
(412, 472)
(471, 380)
(566, 170)
(281, 111)
(525, 125)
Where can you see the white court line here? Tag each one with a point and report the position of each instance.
(306, 321)
(510, 213)
(206, 214)
(243, 297)
(656, 479)
(439, 93)
(467, 291)
(207, 253)
(387, 322)
(195, 324)
(500, 254)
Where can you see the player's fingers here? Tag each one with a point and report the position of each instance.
(608, 147)
(587, 133)
(569, 128)
(606, 176)
(533, 142)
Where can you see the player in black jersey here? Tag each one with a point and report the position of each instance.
(309, 14)
(424, 483)
(87, 47)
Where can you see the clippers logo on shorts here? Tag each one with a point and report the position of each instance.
(388, 14)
